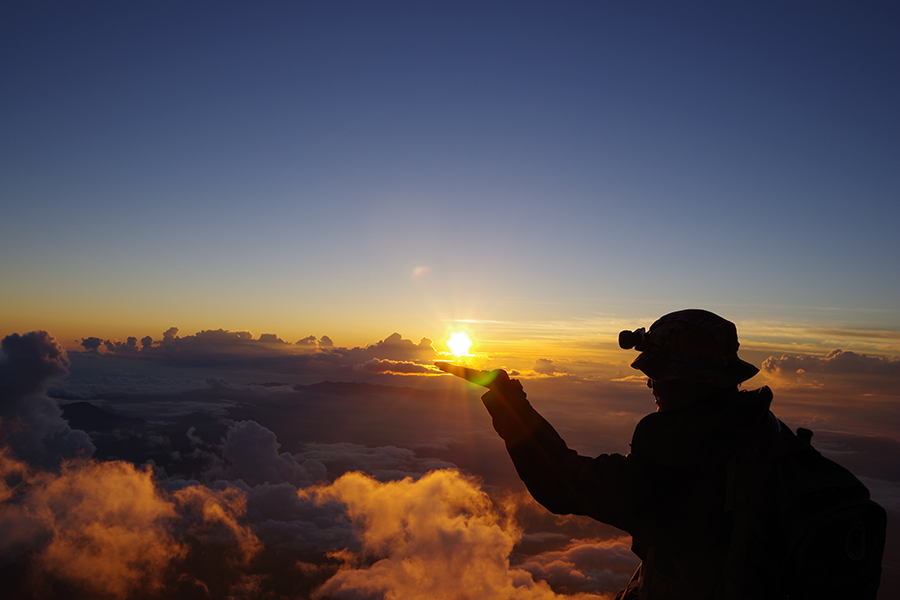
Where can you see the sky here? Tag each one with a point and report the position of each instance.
(277, 195)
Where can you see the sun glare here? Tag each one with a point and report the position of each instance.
(459, 343)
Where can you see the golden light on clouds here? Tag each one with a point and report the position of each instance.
(459, 343)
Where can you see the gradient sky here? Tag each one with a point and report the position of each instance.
(354, 168)
(542, 175)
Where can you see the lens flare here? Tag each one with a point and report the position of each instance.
(459, 343)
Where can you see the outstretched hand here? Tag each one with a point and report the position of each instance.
(484, 378)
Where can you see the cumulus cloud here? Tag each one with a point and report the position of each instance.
(127, 347)
(394, 346)
(251, 453)
(438, 537)
(836, 362)
(30, 422)
(545, 366)
(106, 528)
(307, 342)
(91, 344)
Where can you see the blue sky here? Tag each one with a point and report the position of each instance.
(285, 167)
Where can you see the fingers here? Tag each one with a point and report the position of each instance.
(483, 378)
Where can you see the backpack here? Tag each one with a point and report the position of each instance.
(803, 527)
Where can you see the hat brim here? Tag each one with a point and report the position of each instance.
(661, 369)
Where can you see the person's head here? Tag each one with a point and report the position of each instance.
(687, 355)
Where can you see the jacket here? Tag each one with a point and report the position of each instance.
(669, 493)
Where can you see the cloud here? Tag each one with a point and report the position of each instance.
(438, 537)
(251, 452)
(545, 366)
(30, 422)
(307, 342)
(91, 344)
(128, 347)
(837, 362)
(382, 462)
(238, 350)
(377, 365)
(105, 527)
(595, 566)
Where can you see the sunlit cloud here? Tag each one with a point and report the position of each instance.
(438, 537)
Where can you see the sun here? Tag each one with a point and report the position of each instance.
(459, 343)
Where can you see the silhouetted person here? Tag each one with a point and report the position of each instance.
(675, 492)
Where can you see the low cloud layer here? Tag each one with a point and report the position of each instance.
(184, 484)
(240, 350)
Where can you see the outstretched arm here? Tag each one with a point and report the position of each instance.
(607, 488)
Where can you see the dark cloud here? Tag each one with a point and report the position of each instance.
(251, 454)
(585, 566)
(239, 351)
(128, 347)
(837, 362)
(31, 423)
(91, 344)
(382, 462)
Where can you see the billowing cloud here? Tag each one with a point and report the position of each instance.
(99, 525)
(107, 528)
(251, 452)
(438, 537)
(30, 422)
